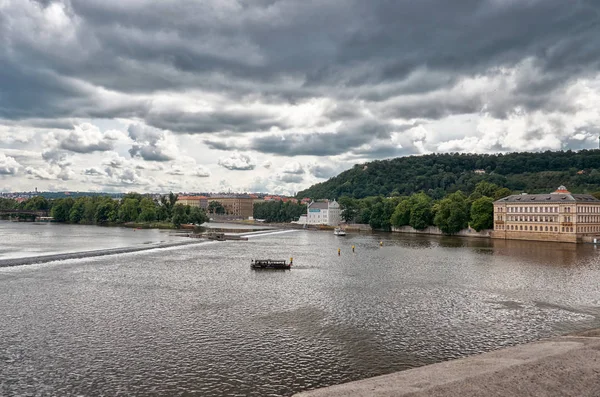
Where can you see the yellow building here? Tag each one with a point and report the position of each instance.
(238, 206)
(558, 216)
(193, 201)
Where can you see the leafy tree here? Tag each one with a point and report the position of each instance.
(179, 215)
(278, 211)
(106, 211)
(485, 188)
(129, 210)
(452, 213)
(350, 208)
(501, 193)
(37, 203)
(168, 203)
(77, 210)
(8, 204)
(377, 216)
(420, 213)
(197, 215)
(215, 207)
(401, 215)
(61, 209)
(482, 214)
(147, 210)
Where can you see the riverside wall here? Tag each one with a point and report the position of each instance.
(436, 231)
(566, 366)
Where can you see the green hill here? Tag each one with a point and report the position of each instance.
(440, 174)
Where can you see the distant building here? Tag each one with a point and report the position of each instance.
(239, 206)
(479, 172)
(558, 216)
(323, 213)
(193, 201)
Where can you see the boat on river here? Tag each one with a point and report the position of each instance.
(270, 264)
(338, 231)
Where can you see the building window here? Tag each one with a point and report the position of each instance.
(536, 228)
(546, 228)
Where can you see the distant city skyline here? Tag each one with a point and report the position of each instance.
(274, 96)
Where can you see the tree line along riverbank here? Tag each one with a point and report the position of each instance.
(451, 214)
(133, 209)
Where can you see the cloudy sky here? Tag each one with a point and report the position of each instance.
(275, 95)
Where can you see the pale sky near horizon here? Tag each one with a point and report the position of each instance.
(276, 95)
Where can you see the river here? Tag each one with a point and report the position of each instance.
(196, 320)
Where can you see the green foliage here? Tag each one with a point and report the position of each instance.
(129, 210)
(8, 204)
(134, 207)
(36, 203)
(452, 213)
(278, 211)
(168, 202)
(179, 215)
(501, 193)
(215, 207)
(482, 213)
(61, 209)
(350, 208)
(440, 174)
(147, 210)
(197, 216)
(106, 211)
(420, 213)
(401, 215)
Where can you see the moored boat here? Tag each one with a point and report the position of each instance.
(338, 231)
(270, 264)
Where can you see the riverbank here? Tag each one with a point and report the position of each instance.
(562, 366)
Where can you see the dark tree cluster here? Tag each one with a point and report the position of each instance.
(278, 211)
(452, 213)
(440, 174)
(133, 207)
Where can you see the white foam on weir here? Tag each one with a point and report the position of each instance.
(258, 234)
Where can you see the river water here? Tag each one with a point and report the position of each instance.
(196, 320)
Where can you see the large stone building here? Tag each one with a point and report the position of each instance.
(323, 213)
(241, 206)
(238, 206)
(558, 216)
(193, 201)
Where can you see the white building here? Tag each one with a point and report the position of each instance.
(323, 213)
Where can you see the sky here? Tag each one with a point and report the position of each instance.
(276, 95)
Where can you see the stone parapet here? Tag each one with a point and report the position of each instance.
(567, 366)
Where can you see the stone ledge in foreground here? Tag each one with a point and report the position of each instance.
(562, 366)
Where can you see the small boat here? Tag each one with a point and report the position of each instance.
(270, 264)
(338, 231)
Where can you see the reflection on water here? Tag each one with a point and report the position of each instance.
(25, 239)
(197, 321)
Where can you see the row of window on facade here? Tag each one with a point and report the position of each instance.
(534, 228)
(536, 209)
(536, 219)
(533, 209)
(581, 229)
(584, 219)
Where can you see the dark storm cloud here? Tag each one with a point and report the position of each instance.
(350, 137)
(286, 51)
(215, 121)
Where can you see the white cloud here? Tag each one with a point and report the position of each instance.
(237, 161)
(8, 165)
